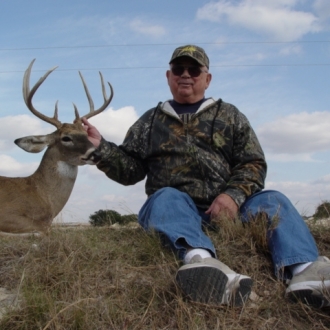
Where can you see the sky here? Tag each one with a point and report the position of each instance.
(271, 59)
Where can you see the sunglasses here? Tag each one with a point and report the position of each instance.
(194, 71)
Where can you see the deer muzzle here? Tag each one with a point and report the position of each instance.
(94, 157)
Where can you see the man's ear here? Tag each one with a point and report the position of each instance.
(208, 80)
(167, 74)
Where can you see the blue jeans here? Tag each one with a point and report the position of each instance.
(174, 215)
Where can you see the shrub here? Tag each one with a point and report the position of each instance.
(104, 218)
(109, 217)
(128, 218)
(323, 210)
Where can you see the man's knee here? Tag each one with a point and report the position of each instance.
(268, 197)
(269, 202)
(171, 195)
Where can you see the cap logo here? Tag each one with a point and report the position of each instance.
(188, 49)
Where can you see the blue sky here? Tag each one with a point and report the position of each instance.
(270, 58)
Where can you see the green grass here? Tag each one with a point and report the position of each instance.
(101, 278)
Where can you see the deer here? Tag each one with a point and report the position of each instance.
(29, 204)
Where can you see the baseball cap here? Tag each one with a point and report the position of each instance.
(195, 52)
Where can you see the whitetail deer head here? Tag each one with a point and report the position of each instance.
(31, 203)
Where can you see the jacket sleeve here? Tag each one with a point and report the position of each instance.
(248, 168)
(125, 163)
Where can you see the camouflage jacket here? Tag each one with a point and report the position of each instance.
(214, 151)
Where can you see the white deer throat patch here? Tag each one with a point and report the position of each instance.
(67, 170)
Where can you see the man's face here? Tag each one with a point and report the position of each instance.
(185, 88)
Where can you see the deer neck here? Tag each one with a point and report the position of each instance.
(55, 180)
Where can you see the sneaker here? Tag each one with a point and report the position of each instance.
(312, 285)
(210, 281)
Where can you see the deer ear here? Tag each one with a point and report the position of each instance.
(33, 143)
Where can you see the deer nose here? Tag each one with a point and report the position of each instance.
(95, 156)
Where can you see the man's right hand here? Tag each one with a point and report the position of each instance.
(93, 134)
(223, 205)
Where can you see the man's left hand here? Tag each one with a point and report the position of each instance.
(223, 205)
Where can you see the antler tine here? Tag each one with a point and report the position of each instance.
(76, 113)
(28, 95)
(107, 100)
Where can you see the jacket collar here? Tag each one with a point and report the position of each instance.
(166, 106)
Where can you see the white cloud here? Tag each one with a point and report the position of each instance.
(286, 157)
(278, 19)
(130, 200)
(291, 49)
(323, 180)
(147, 29)
(13, 127)
(10, 167)
(114, 124)
(91, 172)
(305, 196)
(303, 133)
(322, 8)
(105, 194)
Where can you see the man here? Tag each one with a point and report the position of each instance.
(203, 160)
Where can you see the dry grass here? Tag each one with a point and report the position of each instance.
(100, 278)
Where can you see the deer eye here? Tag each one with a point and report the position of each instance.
(66, 139)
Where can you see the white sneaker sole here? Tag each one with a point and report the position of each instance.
(238, 289)
(313, 293)
(209, 285)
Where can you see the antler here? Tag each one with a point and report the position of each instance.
(28, 95)
(107, 101)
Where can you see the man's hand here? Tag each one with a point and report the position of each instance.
(93, 134)
(223, 205)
